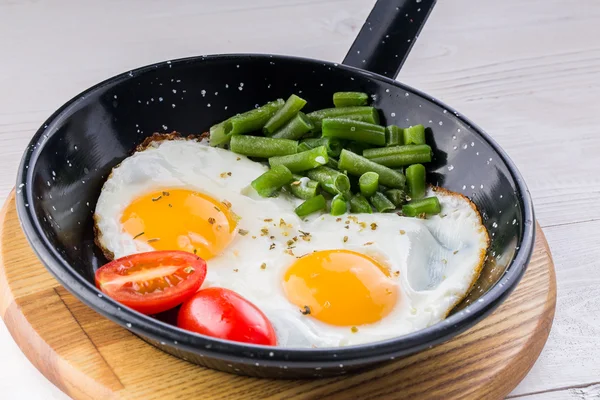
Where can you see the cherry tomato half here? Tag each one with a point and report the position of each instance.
(223, 313)
(152, 282)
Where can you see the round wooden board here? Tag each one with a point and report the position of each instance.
(89, 357)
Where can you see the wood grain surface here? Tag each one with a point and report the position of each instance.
(527, 71)
(90, 357)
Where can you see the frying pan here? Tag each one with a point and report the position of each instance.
(72, 154)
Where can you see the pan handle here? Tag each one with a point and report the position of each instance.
(388, 34)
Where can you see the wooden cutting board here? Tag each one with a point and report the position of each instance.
(90, 357)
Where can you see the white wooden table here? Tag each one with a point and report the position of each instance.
(528, 71)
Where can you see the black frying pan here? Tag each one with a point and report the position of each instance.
(71, 155)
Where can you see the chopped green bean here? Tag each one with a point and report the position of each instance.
(368, 183)
(353, 130)
(334, 145)
(381, 203)
(303, 187)
(415, 178)
(429, 205)
(256, 146)
(414, 135)
(311, 205)
(399, 156)
(272, 180)
(349, 99)
(247, 122)
(303, 147)
(358, 165)
(396, 196)
(217, 134)
(393, 136)
(295, 128)
(302, 161)
(289, 110)
(339, 205)
(332, 181)
(363, 113)
(360, 205)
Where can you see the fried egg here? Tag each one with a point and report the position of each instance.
(322, 280)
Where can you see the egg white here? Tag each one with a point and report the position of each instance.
(434, 261)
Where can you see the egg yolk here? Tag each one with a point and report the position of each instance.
(180, 219)
(340, 287)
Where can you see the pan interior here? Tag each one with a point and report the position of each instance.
(76, 150)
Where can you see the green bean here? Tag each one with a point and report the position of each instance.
(368, 183)
(354, 130)
(396, 196)
(381, 203)
(415, 178)
(302, 161)
(349, 99)
(399, 156)
(311, 205)
(295, 128)
(414, 135)
(358, 165)
(339, 205)
(247, 122)
(334, 145)
(429, 205)
(332, 181)
(303, 147)
(364, 113)
(393, 135)
(271, 181)
(360, 205)
(289, 110)
(303, 187)
(256, 146)
(217, 134)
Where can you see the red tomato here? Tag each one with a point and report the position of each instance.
(225, 314)
(152, 282)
